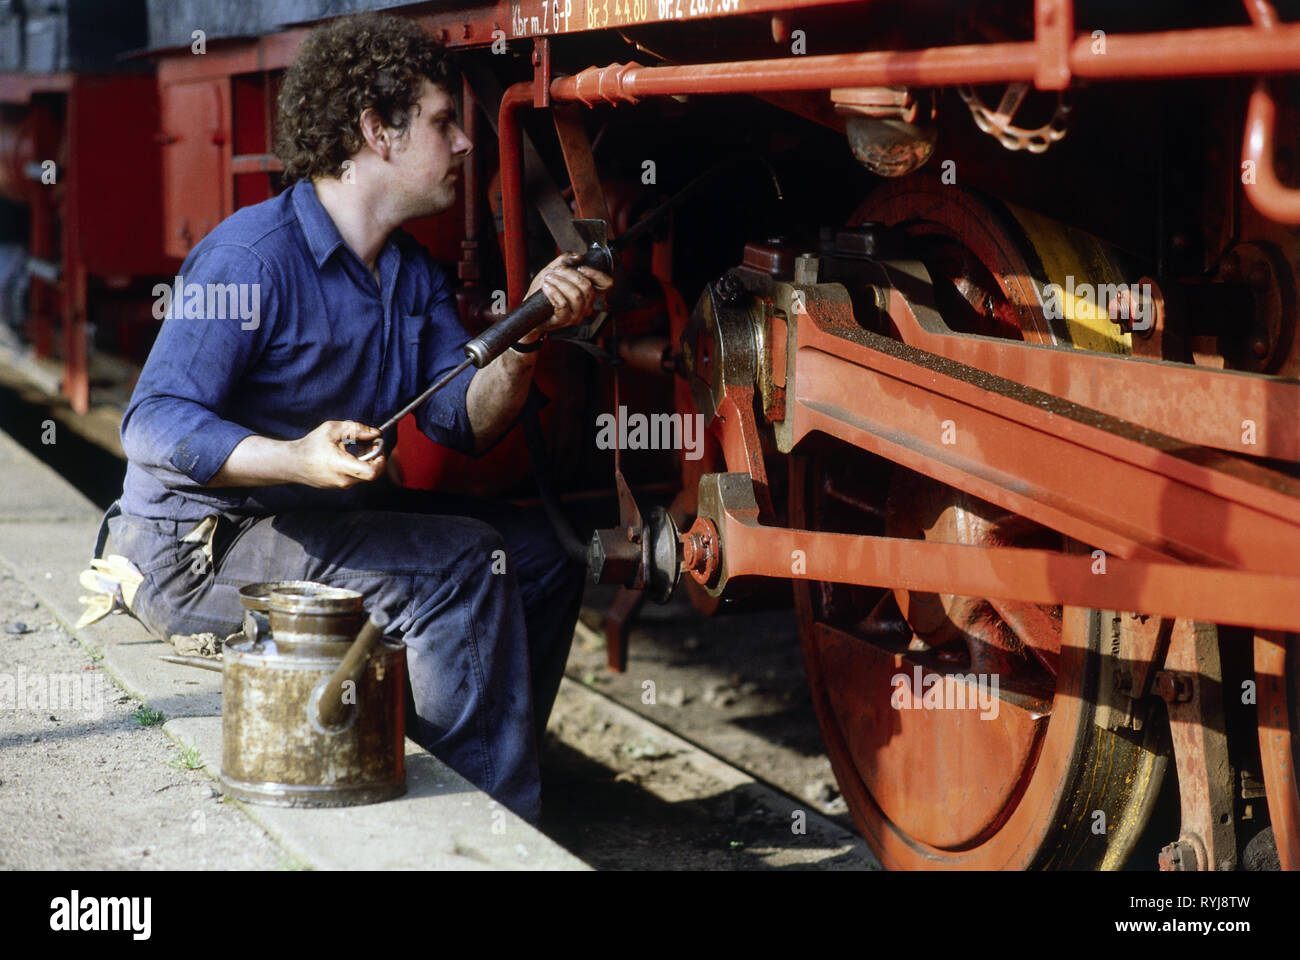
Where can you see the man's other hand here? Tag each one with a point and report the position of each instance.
(324, 462)
(570, 288)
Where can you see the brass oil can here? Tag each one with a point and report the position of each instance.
(313, 701)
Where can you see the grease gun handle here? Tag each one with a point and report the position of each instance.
(518, 323)
(529, 315)
(330, 708)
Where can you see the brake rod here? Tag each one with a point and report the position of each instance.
(728, 528)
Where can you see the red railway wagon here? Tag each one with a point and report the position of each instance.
(989, 313)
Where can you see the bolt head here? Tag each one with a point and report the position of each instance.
(1178, 856)
(595, 558)
(729, 288)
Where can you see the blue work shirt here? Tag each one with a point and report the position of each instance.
(310, 338)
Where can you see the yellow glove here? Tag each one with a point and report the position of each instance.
(114, 581)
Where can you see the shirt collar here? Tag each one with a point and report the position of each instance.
(323, 237)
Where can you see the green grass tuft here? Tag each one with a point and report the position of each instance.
(147, 716)
(186, 758)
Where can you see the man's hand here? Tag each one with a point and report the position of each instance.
(317, 460)
(497, 393)
(571, 290)
(324, 462)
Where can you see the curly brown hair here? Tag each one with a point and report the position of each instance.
(344, 66)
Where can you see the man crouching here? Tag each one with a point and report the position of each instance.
(237, 430)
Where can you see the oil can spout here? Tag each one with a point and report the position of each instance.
(335, 698)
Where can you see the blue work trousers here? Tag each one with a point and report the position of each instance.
(481, 593)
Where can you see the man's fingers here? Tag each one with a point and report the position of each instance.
(576, 277)
(371, 469)
(571, 289)
(553, 295)
(566, 285)
(602, 281)
(348, 430)
(562, 297)
(579, 282)
(575, 297)
(348, 466)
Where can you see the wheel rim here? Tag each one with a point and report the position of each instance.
(1034, 783)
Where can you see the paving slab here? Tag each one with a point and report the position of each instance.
(85, 779)
(442, 822)
(48, 557)
(174, 690)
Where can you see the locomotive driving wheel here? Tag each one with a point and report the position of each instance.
(964, 731)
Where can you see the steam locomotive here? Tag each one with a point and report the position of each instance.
(988, 311)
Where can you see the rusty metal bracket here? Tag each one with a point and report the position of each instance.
(618, 618)
(1276, 657)
(1138, 643)
(1192, 686)
(541, 73)
(720, 359)
(580, 162)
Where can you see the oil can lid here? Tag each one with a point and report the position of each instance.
(299, 597)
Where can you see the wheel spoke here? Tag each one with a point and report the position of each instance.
(1037, 629)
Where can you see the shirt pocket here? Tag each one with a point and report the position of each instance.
(412, 354)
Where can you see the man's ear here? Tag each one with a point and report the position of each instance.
(375, 133)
